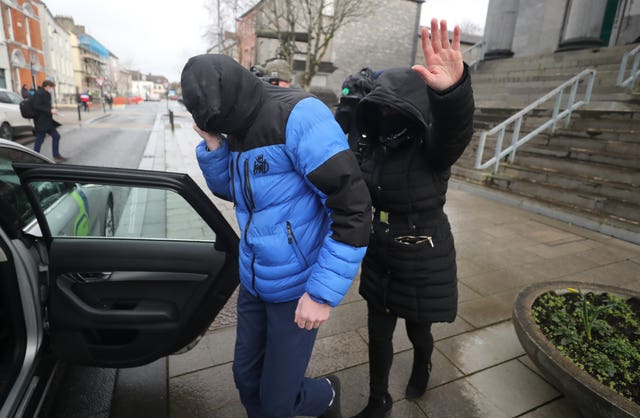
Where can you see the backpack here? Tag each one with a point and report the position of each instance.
(26, 108)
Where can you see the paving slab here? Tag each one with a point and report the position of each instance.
(482, 348)
(488, 310)
(513, 388)
(337, 352)
(459, 399)
(213, 349)
(205, 394)
(560, 408)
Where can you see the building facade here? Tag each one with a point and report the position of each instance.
(58, 56)
(526, 27)
(21, 25)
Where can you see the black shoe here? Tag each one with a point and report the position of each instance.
(377, 408)
(334, 409)
(60, 159)
(418, 381)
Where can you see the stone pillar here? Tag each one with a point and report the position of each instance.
(500, 28)
(583, 24)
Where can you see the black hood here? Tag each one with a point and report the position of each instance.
(221, 95)
(401, 89)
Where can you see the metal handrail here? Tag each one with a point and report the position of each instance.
(475, 54)
(517, 119)
(635, 71)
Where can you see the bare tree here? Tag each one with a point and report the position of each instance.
(224, 14)
(471, 28)
(307, 27)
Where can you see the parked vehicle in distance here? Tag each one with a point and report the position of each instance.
(12, 124)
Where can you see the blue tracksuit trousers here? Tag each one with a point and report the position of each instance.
(271, 357)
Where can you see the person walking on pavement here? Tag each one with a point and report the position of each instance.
(414, 134)
(43, 120)
(304, 214)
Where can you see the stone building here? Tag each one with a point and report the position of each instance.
(526, 27)
(91, 58)
(21, 25)
(384, 37)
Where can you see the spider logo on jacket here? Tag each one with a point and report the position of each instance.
(260, 166)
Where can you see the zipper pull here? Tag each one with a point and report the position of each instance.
(430, 241)
(289, 232)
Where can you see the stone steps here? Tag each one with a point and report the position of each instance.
(590, 166)
(624, 212)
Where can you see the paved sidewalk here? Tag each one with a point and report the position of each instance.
(479, 367)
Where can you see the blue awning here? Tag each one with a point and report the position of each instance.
(87, 42)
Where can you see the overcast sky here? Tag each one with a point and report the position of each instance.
(158, 37)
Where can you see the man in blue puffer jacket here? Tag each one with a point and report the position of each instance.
(304, 213)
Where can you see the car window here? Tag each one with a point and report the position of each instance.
(12, 197)
(100, 210)
(14, 97)
(4, 97)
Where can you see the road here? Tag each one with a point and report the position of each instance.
(116, 139)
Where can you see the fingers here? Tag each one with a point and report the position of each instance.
(436, 44)
(426, 45)
(457, 32)
(444, 35)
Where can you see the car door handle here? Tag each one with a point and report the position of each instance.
(143, 312)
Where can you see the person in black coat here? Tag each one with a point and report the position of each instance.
(43, 121)
(413, 133)
(24, 92)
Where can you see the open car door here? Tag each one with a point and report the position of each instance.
(137, 264)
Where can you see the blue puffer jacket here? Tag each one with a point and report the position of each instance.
(301, 203)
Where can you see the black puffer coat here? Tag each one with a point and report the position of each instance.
(408, 186)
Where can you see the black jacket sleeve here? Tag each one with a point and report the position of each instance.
(451, 129)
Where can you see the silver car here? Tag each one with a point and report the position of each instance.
(101, 267)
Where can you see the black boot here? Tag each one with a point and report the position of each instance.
(377, 408)
(334, 409)
(419, 379)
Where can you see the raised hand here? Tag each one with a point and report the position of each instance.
(443, 61)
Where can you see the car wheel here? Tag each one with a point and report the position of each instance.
(6, 132)
(109, 226)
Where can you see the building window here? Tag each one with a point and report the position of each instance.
(28, 9)
(10, 24)
(26, 21)
(3, 79)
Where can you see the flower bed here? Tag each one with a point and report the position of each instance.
(600, 333)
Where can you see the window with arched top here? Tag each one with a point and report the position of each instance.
(18, 59)
(28, 9)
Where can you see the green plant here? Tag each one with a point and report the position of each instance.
(590, 313)
(600, 333)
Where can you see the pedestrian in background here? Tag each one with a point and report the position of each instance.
(414, 133)
(304, 214)
(43, 120)
(84, 99)
(24, 92)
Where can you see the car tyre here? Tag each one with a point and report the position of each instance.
(6, 132)
(109, 226)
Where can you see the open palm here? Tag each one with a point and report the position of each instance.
(443, 60)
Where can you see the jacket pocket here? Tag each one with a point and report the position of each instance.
(291, 237)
